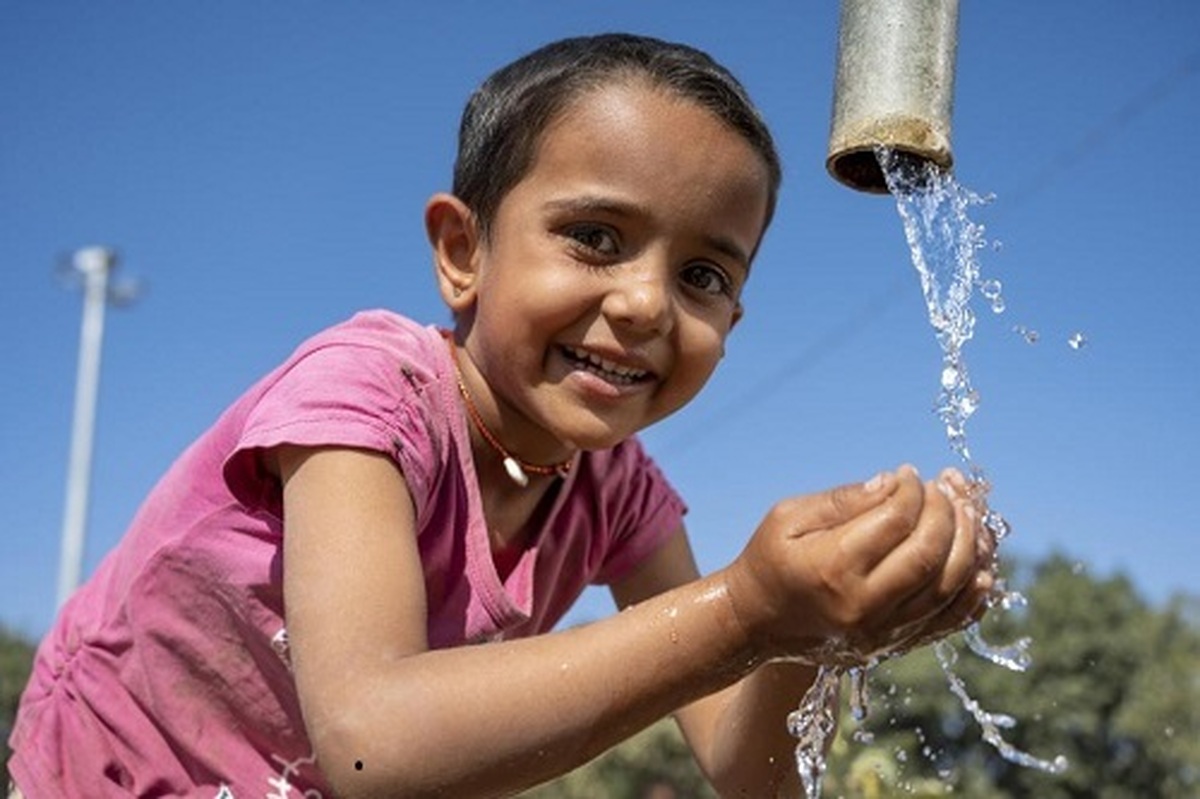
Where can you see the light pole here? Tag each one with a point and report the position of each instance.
(90, 268)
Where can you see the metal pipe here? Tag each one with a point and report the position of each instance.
(894, 86)
(93, 265)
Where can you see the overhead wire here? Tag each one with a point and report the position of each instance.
(855, 324)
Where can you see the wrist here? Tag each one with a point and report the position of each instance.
(743, 614)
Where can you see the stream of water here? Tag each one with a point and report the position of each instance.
(944, 244)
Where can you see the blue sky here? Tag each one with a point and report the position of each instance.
(262, 169)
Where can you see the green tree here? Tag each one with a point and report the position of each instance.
(16, 661)
(1114, 686)
(655, 764)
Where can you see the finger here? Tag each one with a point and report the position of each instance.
(967, 552)
(968, 607)
(918, 562)
(875, 534)
(961, 564)
(954, 480)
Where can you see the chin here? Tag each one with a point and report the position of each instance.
(596, 439)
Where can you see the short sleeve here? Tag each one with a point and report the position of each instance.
(642, 507)
(339, 394)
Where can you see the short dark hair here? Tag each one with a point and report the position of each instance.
(506, 116)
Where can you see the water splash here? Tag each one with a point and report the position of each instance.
(811, 724)
(944, 243)
(991, 723)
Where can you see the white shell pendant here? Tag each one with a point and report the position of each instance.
(515, 471)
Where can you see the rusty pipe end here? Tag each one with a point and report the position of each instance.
(853, 160)
(894, 87)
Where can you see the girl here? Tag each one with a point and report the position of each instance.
(293, 605)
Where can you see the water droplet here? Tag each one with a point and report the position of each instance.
(1077, 341)
(1012, 600)
(950, 377)
(968, 404)
(991, 291)
(1030, 335)
(859, 698)
(997, 525)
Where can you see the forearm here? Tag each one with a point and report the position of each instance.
(490, 720)
(742, 740)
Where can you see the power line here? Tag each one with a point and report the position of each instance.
(1070, 157)
(857, 323)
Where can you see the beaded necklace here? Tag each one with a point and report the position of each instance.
(518, 470)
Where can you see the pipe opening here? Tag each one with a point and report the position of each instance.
(859, 168)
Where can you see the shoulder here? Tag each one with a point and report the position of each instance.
(421, 347)
(377, 381)
(379, 358)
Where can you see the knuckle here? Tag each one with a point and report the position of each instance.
(783, 510)
(842, 500)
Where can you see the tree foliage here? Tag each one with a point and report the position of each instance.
(655, 764)
(1114, 687)
(16, 661)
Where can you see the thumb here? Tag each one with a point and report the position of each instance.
(838, 505)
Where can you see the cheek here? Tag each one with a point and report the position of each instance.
(702, 356)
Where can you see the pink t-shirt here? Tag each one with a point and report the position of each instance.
(167, 673)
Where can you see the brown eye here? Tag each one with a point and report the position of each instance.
(597, 238)
(708, 279)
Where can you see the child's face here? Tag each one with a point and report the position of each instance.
(614, 268)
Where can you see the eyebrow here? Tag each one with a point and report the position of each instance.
(598, 204)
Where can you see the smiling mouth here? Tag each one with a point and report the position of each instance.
(611, 371)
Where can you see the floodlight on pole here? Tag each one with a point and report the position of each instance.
(92, 269)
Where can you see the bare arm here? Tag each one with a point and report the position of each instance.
(738, 734)
(894, 579)
(387, 716)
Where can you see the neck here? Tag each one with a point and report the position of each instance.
(518, 470)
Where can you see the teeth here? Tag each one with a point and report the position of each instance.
(604, 365)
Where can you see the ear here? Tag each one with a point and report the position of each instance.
(454, 236)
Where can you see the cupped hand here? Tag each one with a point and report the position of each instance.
(864, 570)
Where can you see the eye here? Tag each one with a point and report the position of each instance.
(708, 279)
(595, 239)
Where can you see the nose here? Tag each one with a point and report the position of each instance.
(640, 300)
